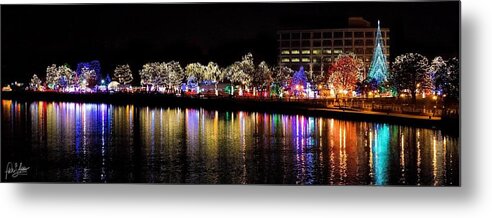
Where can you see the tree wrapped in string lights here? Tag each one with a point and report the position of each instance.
(445, 74)
(410, 73)
(151, 76)
(344, 73)
(195, 74)
(299, 82)
(52, 76)
(281, 75)
(89, 73)
(123, 74)
(35, 83)
(240, 72)
(174, 74)
(214, 74)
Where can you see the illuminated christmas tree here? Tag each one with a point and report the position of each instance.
(379, 66)
(299, 82)
(123, 74)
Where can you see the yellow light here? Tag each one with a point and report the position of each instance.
(434, 97)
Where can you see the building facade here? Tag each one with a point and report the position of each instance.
(316, 49)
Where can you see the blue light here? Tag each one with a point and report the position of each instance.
(378, 69)
(381, 154)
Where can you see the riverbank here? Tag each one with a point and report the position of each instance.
(305, 107)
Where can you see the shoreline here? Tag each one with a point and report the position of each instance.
(240, 104)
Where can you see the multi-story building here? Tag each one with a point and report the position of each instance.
(315, 49)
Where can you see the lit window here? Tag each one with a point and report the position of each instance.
(306, 52)
(327, 51)
(305, 60)
(315, 60)
(317, 51)
(337, 51)
(285, 52)
(295, 52)
(295, 59)
(285, 60)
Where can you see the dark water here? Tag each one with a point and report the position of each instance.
(77, 142)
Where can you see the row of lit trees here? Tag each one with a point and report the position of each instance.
(87, 75)
(409, 73)
(413, 73)
(169, 76)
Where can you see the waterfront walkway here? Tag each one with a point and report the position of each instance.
(375, 113)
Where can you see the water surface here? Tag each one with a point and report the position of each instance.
(81, 142)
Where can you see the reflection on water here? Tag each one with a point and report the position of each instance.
(77, 142)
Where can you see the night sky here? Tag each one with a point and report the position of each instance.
(35, 36)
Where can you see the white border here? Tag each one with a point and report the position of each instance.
(471, 200)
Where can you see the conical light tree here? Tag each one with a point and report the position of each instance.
(379, 67)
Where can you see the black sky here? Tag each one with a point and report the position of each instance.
(35, 36)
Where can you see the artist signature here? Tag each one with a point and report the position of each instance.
(15, 169)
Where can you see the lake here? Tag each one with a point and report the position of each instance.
(104, 143)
